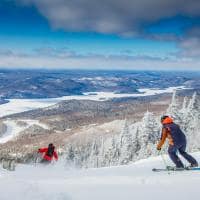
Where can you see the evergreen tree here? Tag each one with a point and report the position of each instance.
(126, 144)
(174, 108)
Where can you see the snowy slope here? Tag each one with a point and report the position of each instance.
(13, 129)
(131, 182)
(11, 132)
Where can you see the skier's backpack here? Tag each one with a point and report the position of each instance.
(50, 150)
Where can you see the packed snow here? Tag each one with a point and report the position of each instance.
(21, 105)
(134, 181)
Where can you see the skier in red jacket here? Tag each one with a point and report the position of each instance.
(48, 153)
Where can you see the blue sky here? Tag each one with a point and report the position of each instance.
(76, 35)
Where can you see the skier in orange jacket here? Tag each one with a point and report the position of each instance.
(177, 142)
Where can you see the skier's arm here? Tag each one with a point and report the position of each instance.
(55, 155)
(42, 150)
(163, 138)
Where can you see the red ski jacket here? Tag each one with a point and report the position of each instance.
(45, 156)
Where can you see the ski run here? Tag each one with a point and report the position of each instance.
(134, 181)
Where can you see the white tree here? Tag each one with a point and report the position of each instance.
(126, 144)
(191, 121)
(148, 134)
(174, 108)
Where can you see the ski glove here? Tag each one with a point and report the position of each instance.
(158, 148)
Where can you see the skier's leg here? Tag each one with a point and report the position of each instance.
(46, 162)
(172, 154)
(188, 157)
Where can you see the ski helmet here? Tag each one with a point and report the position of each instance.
(163, 118)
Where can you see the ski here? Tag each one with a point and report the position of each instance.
(165, 169)
(192, 168)
(176, 169)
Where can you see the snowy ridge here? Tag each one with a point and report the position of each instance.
(134, 181)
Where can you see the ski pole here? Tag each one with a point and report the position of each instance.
(36, 159)
(36, 155)
(164, 161)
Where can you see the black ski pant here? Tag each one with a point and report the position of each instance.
(172, 151)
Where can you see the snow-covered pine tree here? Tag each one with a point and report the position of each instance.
(70, 154)
(184, 105)
(174, 108)
(94, 153)
(191, 122)
(148, 134)
(115, 151)
(126, 144)
(188, 117)
(136, 143)
(101, 155)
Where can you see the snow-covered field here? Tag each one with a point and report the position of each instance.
(131, 182)
(21, 105)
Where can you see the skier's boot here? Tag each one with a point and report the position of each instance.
(179, 168)
(171, 168)
(193, 165)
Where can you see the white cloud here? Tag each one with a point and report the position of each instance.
(97, 62)
(190, 47)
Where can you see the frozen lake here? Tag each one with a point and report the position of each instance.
(21, 105)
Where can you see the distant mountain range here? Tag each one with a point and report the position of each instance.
(48, 84)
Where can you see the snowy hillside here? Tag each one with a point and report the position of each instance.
(14, 128)
(134, 181)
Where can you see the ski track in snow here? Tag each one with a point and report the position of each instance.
(134, 181)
